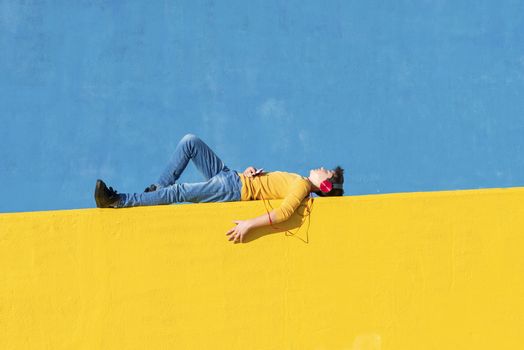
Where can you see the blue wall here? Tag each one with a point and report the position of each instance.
(406, 95)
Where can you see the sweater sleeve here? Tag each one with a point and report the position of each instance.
(297, 193)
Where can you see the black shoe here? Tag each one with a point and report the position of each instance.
(151, 188)
(105, 197)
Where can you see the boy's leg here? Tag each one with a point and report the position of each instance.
(224, 187)
(191, 147)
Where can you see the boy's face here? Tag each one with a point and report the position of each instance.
(320, 174)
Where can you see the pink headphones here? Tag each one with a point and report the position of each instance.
(326, 186)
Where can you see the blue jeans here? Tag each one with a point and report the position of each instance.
(221, 185)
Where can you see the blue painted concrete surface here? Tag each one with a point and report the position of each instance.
(406, 95)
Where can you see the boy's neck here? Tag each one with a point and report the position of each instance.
(313, 187)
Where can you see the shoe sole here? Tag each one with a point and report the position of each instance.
(98, 188)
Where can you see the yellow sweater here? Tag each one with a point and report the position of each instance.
(293, 188)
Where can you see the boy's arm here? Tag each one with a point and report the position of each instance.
(243, 226)
(296, 195)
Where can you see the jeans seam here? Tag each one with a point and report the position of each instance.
(221, 193)
(208, 193)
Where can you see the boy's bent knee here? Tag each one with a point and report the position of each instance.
(189, 138)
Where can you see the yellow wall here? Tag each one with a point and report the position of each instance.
(442, 270)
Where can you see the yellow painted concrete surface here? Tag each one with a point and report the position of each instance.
(440, 270)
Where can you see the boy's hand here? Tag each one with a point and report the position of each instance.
(239, 231)
(250, 171)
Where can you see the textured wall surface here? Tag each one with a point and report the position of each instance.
(436, 270)
(407, 95)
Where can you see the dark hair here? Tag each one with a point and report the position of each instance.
(338, 178)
